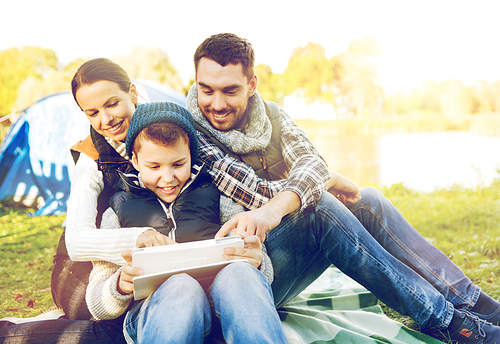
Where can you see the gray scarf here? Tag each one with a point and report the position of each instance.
(255, 136)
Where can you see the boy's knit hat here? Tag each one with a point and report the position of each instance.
(162, 112)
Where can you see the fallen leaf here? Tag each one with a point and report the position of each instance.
(31, 303)
(18, 295)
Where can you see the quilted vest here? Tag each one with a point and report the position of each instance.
(193, 216)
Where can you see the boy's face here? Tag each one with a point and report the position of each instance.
(164, 170)
(223, 94)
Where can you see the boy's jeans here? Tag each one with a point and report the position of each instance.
(395, 262)
(179, 311)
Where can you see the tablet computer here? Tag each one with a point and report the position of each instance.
(200, 259)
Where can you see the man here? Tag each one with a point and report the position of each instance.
(261, 159)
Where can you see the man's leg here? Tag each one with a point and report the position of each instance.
(177, 312)
(62, 331)
(306, 243)
(386, 224)
(243, 301)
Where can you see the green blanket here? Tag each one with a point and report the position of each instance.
(336, 309)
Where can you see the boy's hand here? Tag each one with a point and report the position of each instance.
(152, 238)
(125, 285)
(146, 239)
(252, 251)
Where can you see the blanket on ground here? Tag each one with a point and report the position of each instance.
(336, 309)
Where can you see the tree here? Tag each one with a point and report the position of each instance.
(359, 81)
(268, 83)
(426, 96)
(496, 96)
(484, 96)
(151, 64)
(16, 65)
(311, 72)
(53, 80)
(455, 98)
(396, 104)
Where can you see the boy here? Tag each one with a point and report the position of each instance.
(174, 196)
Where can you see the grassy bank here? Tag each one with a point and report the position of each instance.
(28, 245)
(463, 223)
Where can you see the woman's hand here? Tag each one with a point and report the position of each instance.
(252, 250)
(125, 285)
(152, 238)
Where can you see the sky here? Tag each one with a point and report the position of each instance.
(420, 40)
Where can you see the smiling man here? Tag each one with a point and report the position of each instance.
(259, 157)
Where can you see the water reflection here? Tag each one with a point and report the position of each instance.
(423, 161)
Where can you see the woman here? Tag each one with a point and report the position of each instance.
(106, 94)
(92, 185)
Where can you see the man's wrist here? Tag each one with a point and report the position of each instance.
(284, 203)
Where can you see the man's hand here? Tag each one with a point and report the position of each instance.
(152, 238)
(259, 221)
(255, 222)
(125, 285)
(252, 251)
(346, 191)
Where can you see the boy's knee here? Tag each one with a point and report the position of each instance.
(180, 286)
(238, 276)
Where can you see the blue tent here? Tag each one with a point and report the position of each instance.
(35, 160)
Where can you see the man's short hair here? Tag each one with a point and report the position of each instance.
(227, 48)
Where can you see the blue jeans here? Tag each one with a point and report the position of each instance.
(386, 224)
(179, 311)
(373, 244)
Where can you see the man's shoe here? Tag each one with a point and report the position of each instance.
(493, 318)
(472, 331)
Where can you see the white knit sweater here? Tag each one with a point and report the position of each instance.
(102, 296)
(84, 241)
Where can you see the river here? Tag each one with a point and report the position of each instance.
(422, 161)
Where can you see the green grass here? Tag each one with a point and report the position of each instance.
(463, 223)
(27, 247)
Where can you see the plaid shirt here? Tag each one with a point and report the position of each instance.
(308, 172)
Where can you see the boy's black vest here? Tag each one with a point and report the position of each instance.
(267, 163)
(195, 212)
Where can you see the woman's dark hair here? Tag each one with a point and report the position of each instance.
(97, 70)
